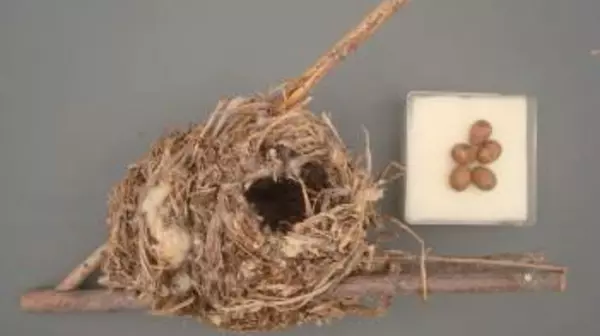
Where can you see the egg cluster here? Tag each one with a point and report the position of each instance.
(472, 158)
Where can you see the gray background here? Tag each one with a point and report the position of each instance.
(86, 85)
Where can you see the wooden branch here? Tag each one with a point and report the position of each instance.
(78, 275)
(488, 282)
(97, 300)
(297, 91)
(444, 275)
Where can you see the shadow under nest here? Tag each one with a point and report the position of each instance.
(248, 221)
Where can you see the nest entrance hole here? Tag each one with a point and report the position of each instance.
(280, 202)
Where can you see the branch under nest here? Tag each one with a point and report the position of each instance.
(82, 271)
(493, 274)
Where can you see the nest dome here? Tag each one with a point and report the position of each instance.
(248, 221)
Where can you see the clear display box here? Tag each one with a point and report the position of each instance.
(435, 122)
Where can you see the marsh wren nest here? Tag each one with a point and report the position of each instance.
(247, 221)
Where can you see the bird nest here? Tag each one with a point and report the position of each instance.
(247, 221)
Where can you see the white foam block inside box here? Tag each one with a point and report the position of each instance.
(435, 123)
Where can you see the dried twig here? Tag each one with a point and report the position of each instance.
(297, 91)
(476, 282)
(445, 275)
(79, 300)
(82, 271)
(422, 258)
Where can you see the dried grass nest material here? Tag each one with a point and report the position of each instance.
(247, 222)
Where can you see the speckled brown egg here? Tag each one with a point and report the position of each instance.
(480, 131)
(489, 151)
(460, 178)
(463, 153)
(483, 178)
